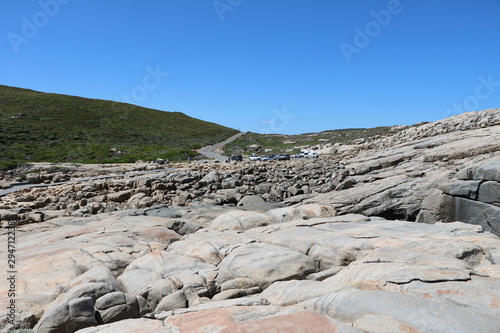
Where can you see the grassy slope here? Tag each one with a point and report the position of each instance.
(37, 126)
(279, 143)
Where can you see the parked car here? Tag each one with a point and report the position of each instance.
(237, 158)
(254, 157)
(309, 153)
(283, 157)
(271, 157)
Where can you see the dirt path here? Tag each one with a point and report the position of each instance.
(209, 151)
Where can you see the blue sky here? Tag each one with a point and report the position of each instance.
(280, 66)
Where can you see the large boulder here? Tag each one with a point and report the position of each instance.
(255, 319)
(68, 316)
(130, 326)
(264, 264)
(301, 212)
(473, 199)
(417, 314)
(240, 220)
(117, 306)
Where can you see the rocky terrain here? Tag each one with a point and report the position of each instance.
(298, 246)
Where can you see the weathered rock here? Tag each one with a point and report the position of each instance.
(284, 214)
(350, 305)
(489, 170)
(250, 200)
(130, 326)
(489, 192)
(68, 316)
(176, 300)
(479, 294)
(255, 319)
(183, 227)
(467, 189)
(138, 281)
(210, 246)
(121, 196)
(471, 201)
(443, 267)
(470, 211)
(5, 185)
(117, 306)
(301, 212)
(236, 293)
(294, 292)
(240, 220)
(264, 264)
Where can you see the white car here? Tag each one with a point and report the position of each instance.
(254, 157)
(309, 153)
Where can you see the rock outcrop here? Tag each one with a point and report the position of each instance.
(473, 198)
(321, 269)
(301, 246)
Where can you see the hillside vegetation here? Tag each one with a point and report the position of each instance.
(36, 126)
(279, 143)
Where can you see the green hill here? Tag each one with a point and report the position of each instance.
(280, 143)
(36, 126)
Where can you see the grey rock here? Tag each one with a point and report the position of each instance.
(8, 215)
(494, 256)
(67, 316)
(176, 300)
(211, 178)
(489, 170)
(293, 190)
(92, 290)
(264, 264)
(130, 325)
(470, 211)
(138, 281)
(238, 283)
(419, 314)
(110, 300)
(480, 294)
(293, 292)
(250, 200)
(236, 293)
(94, 283)
(54, 319)
(230, 183)
(36, 217)
(183, 227)
(160, 289)
(231, 196)
(489, 192)
(466, 189)
(121, 196)
(117, 306)
(285, 214)
(82, 308)
(325, 274)
(240, 220)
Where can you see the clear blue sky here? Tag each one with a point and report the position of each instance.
(282, 66)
